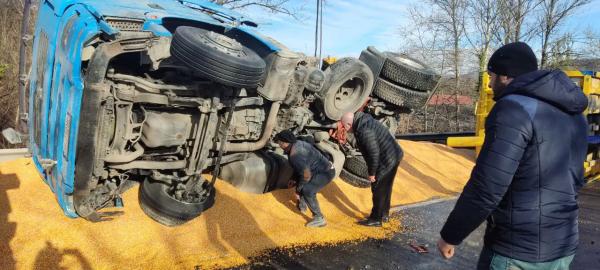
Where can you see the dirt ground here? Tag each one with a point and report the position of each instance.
(34, 233)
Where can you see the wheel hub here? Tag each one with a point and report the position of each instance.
(347, 93)
(224, 44)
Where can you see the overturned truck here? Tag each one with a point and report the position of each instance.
(163, 93)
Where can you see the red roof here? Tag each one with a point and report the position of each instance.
(449, 100)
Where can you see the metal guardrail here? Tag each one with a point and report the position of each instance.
(12, 154)
(433, 137)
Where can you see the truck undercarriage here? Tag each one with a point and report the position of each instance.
(167, 106)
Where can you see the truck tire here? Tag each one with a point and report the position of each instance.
(398, 95)
(408, 72)
(357, 166)
(354, 180)
(355, 172)
(347, 86)
(163, 208)
(217, 57)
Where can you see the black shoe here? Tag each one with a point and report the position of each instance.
(370, 223)
(385, 219)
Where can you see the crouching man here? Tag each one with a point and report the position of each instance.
(314, 172)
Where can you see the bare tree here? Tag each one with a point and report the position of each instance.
(436, 34)
(561, 52)
(484, 24)
(451, 17)
(424, 40)
(554, 12)
(516, 20)
(275, 6)
(591, 44)
(428, 42)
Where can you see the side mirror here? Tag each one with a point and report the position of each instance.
(13, 136)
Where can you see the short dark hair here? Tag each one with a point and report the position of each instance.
(285, 136)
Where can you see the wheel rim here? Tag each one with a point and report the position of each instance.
(348, 93)
(224, 44)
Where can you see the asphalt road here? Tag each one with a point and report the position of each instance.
(421, 225)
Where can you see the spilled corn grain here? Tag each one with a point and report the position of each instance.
(36, 235)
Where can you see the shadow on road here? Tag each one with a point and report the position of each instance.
(336, 196)
(287, 197)
(7, 228)
(50, 258)
(428, 180)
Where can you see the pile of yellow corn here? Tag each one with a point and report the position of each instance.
(34, 234)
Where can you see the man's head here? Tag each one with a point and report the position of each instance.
(285, 139)
(508, 62)
(347, 120)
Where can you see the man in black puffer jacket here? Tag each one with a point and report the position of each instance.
(530, 168)
(382, 154)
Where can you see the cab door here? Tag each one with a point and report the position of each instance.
(41, 82)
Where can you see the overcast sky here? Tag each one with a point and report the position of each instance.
(349, 26)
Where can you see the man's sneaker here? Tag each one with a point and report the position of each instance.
(385, 219)
(317, 222)
(302, 206)
(370, 223)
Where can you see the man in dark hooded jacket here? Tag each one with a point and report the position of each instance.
(382, 155)
(312, 168)
(530, 168)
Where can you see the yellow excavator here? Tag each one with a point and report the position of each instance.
(590, 85)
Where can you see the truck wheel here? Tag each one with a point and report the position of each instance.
(357, 165)
(399, 95)
(408, 72)
(354, 180)
(159, 205)
(355, 172)
(347, 87)
(217, 57)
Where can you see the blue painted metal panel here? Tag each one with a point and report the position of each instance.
(157, 29)
(46, 26)
(155, 10)
(594, 139)
(138, 8)
(77, 26)
(62, 88)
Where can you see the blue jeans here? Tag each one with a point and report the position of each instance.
(490, 260)
(309, 190)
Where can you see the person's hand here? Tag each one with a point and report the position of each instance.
(372, 178)
(447, 250)
(291, 183)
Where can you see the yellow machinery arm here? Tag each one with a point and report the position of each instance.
(590, 85)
